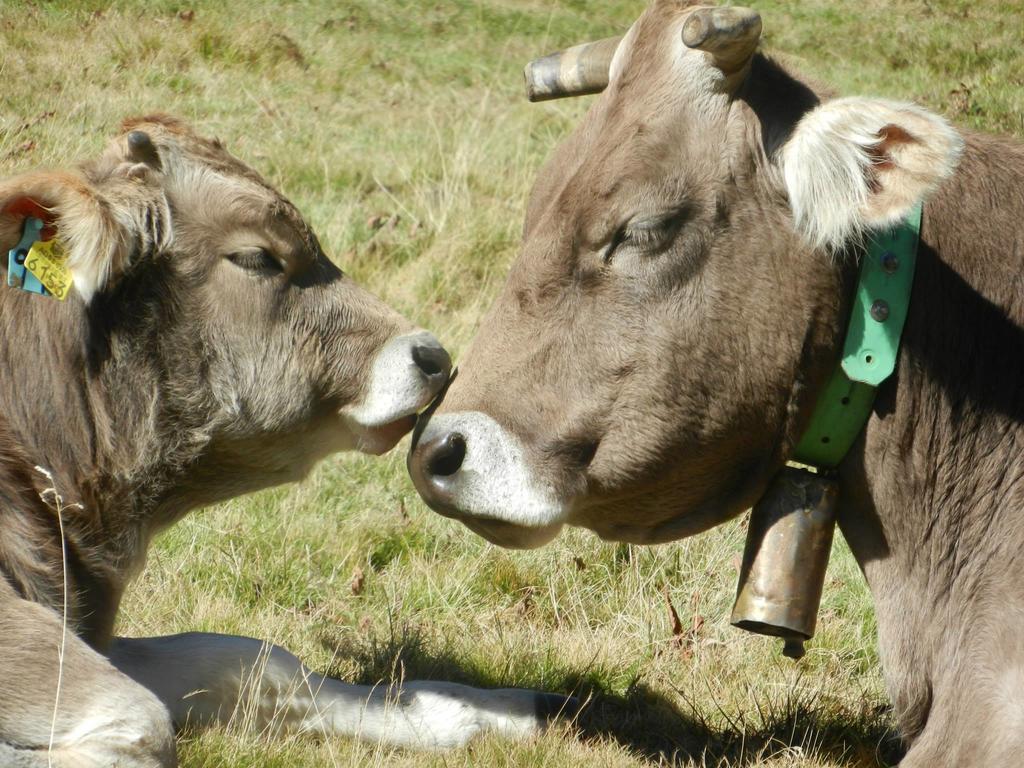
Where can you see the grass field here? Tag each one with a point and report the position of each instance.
(400, 129)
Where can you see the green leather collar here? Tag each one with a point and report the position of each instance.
(872, 344)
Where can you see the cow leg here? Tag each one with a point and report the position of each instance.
(102, 717)
(208, 678)
(960, 701)
(988, 736)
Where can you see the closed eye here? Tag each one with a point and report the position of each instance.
(617, 239)
(649, 235)
(256, 259)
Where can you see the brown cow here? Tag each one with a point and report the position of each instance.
(680, 298)
(209, 348)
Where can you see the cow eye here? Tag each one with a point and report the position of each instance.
(256, 260)
(650, 236)
(653, 235)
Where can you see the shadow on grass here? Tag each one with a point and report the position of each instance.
(692, 729)
(666, 733)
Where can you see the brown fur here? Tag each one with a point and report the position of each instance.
(660, 389)
(127, 394)
(179, 379)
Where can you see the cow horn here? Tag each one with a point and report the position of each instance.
(142, 150)
(729, 34)
(575, 71)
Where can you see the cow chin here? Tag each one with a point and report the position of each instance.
(379, 440)
(511, 536)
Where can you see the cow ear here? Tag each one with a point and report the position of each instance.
(97, 245)
(857, 164)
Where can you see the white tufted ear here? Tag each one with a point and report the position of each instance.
(97, 242)
(857, 164)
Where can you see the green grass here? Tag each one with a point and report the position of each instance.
(413, 112)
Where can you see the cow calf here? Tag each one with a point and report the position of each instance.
(208, 348)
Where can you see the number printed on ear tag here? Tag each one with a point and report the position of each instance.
(47, 260)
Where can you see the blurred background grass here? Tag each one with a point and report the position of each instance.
(400, 129)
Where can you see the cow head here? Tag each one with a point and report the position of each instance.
(214, 335)
(680, 293)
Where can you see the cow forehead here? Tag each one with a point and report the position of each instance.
(183, 151)
(653, 68)
(660, 115)
(204, 180)
(234, 205)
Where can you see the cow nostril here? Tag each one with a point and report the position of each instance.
(432, 360)
(447, 458)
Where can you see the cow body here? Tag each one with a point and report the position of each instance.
(933, 497)
(209, 349)
(687, 271)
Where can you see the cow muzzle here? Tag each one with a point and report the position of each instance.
(467, 467)
(406, 375)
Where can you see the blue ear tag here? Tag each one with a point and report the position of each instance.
(17, 275)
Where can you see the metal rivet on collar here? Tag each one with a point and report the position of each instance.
(880, 310)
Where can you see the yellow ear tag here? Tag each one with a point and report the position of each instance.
(47, 260)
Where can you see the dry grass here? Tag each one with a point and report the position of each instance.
(410, 113)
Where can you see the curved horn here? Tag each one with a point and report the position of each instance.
(575, 71)
(730, 35)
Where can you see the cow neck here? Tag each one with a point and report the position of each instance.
(93, 425)
(791, 527)
(931, 499)
(881, 303)
(44, 402)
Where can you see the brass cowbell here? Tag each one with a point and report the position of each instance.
(788, 544)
